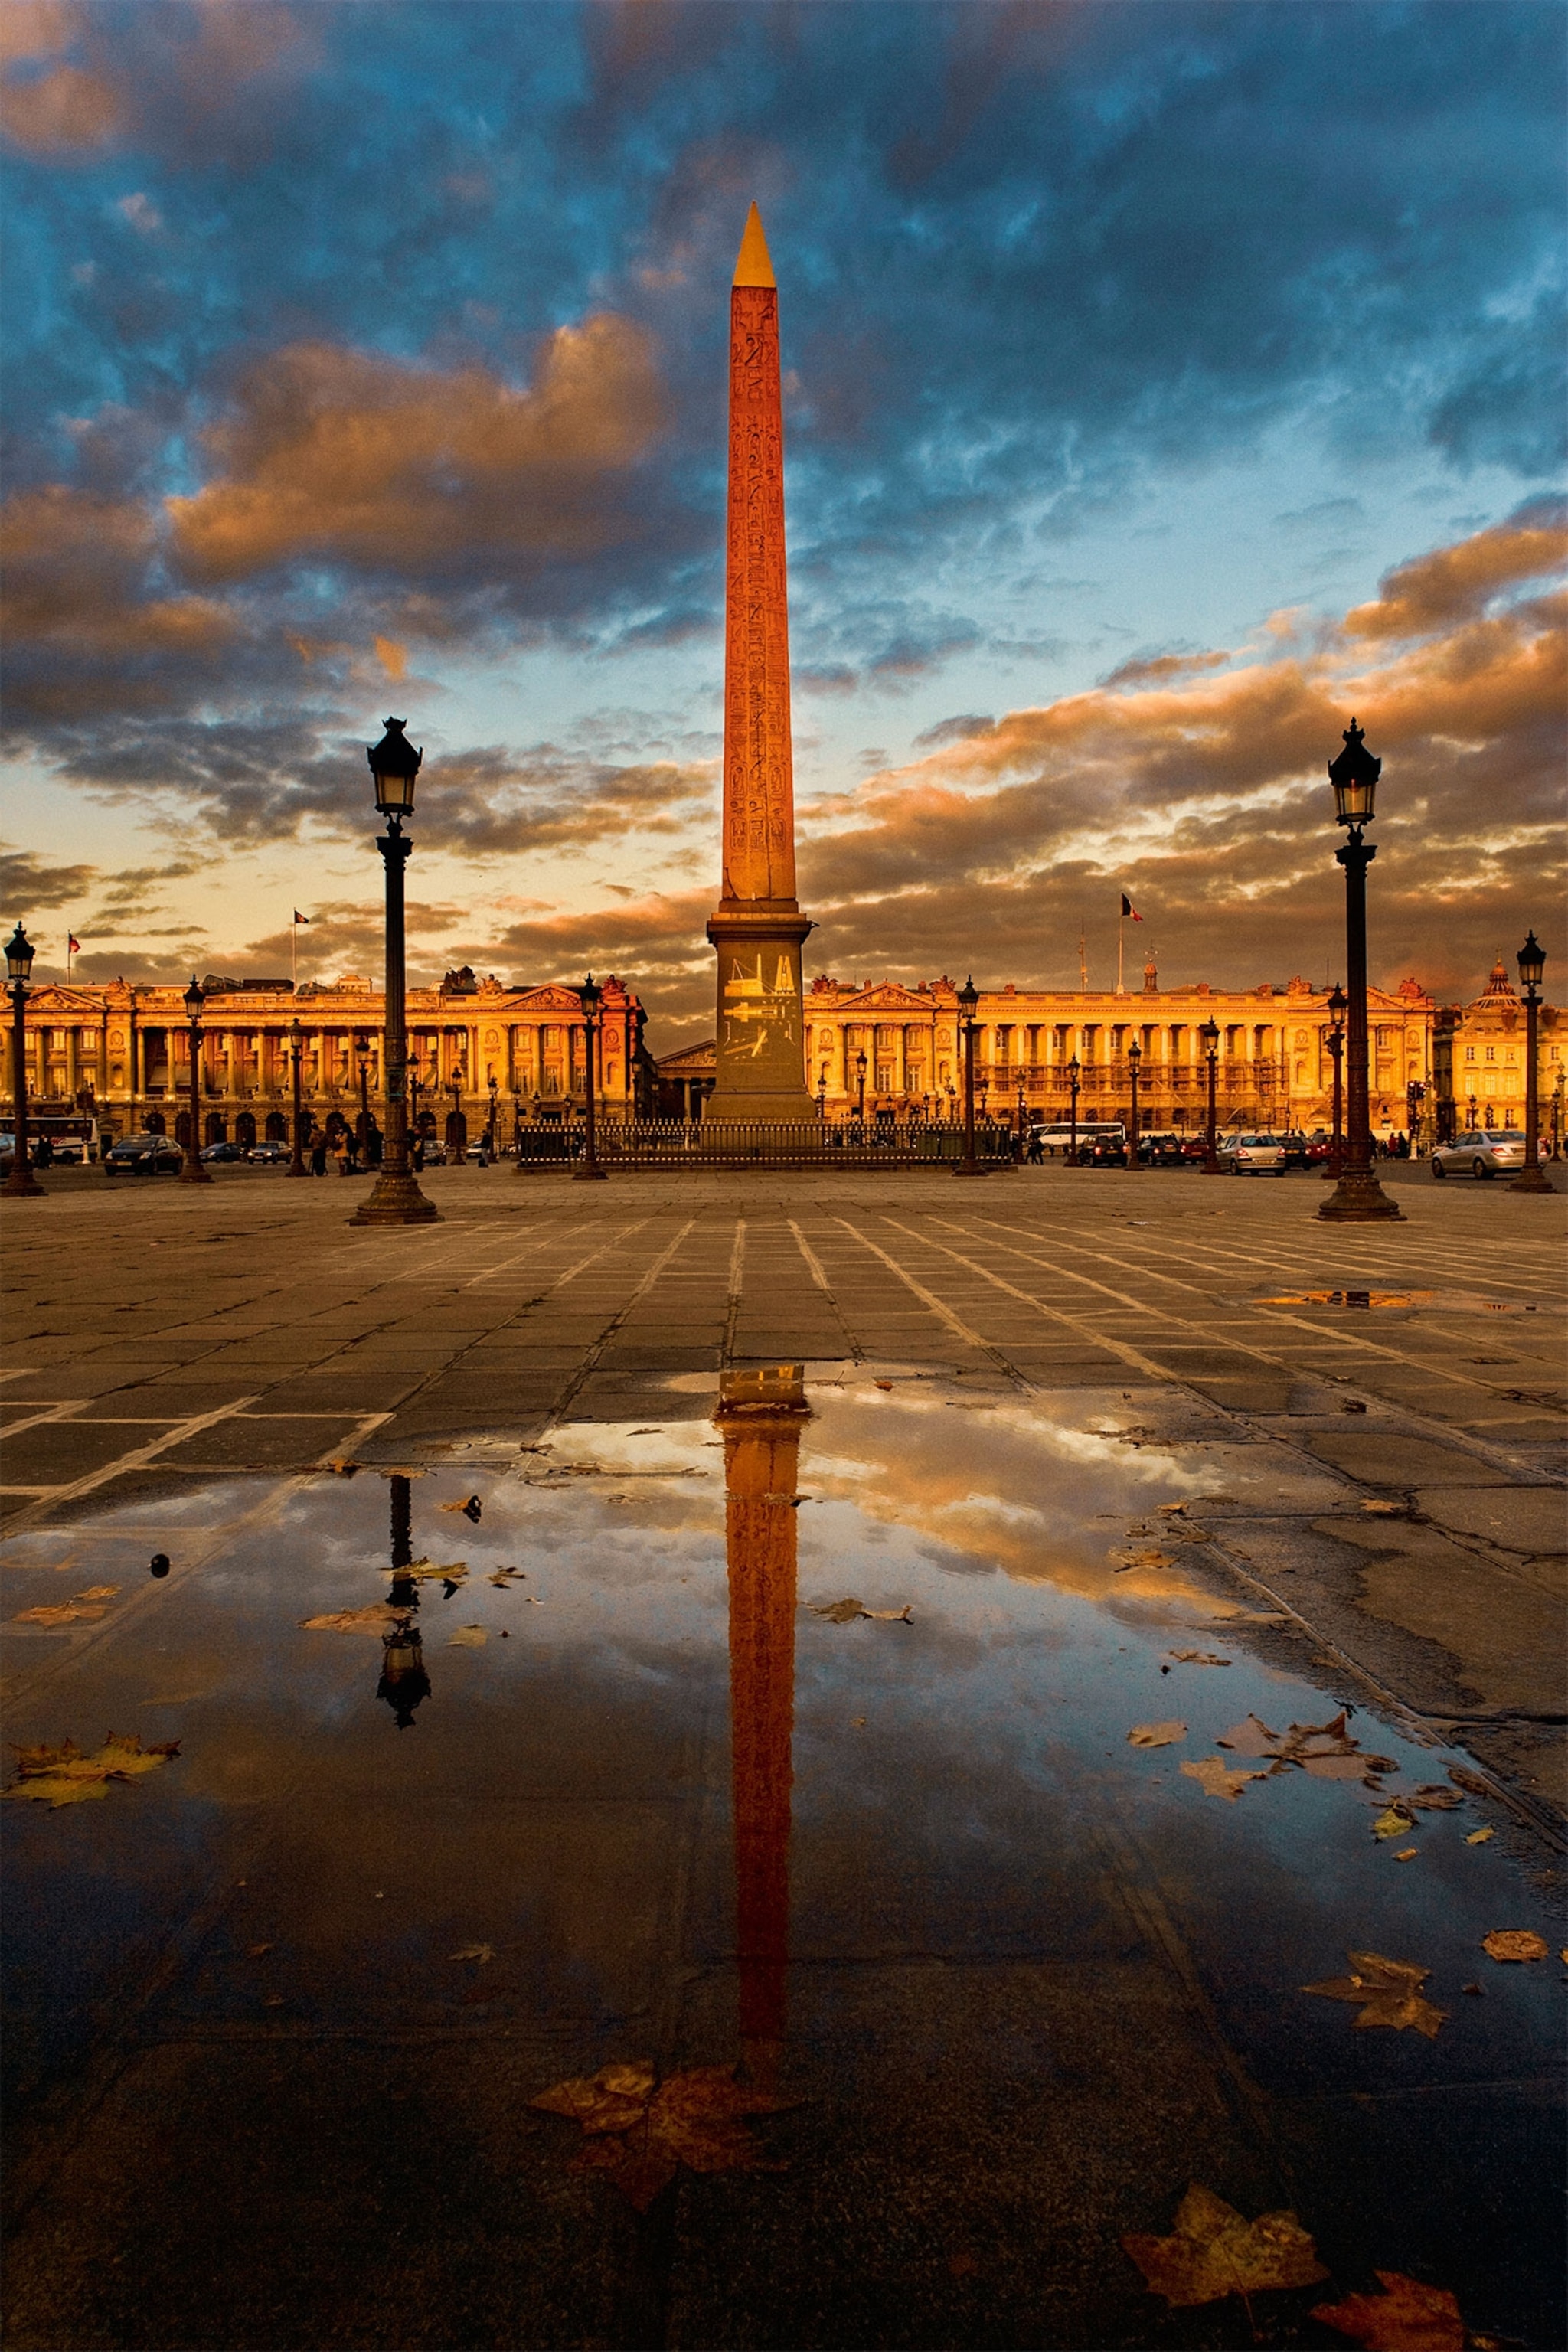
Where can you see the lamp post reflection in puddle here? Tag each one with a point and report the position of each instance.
(403, 1681)
(761, 1416)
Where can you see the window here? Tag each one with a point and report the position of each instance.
(1469, 1053)
(1491, 1052)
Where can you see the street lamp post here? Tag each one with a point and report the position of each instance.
(1209, 1033)
(455, 1088)
(364, 1138)
(822, 1095)
(1414, 1095)
(396, 1198)
(1075, 1073)
(1557, 1116)
(588, 1171)
(968, 998)
(1337, 1005)
(191, 1168)
(860, 1086)
(1358, 1197)
(1531, 1177)
(492, 1140)
(297, 1145)
(1134, 1064)
(21, 1184)
(1023, 1110)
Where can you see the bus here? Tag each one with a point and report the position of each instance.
(74, 1139)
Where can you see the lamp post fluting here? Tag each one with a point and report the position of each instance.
(968, 998)
(1358, 1197)
(21, 1184)
(191, 1168)
(1209, 1033)
(1134, 1064)
(297, 1126)
(1075, 1075)
(1531, 1177)
(588, 1171)
(396, 1198)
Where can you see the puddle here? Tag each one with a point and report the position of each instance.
(624, 1781)
(1454, 1302)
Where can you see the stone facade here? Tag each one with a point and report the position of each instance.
(122, 1050)
(1478, 1061)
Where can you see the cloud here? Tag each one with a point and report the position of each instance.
(1454, 583)
(326, 455)
(27, 881)
(76, 77)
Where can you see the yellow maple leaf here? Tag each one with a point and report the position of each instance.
(66, 1775)
(1214, 2252)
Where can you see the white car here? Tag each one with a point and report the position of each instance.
(1253, 1155)
(1484, 1151)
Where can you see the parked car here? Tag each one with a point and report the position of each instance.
(1163, 1150)
(143, 1155)
(1195, 1149)
(1485, 1151)
(1320, 1149)
(1253, 1155)
(1296, 1149)
(221, 1151)
(1105, 1147)
(268, 1155)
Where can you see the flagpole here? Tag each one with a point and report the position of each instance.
(1120, 927)
(294, 957)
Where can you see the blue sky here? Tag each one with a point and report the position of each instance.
(1163, 383)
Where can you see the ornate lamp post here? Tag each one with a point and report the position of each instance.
(362, 1132)
(1557, 1116)
(492, 1140)
(1023, 1107)
(1075, 1075)
(822, 1095)
(591, 996)
(297, 1130)
(860, 1085)
(969, 995)
(1134, 1064)
(455, 1088)
(1531, 1177)
(1414, 1095)
(191, 1171)
(1337, 1005)
(1358, 1197)
(396, 1198)
(1209, 1033)
(21, 1184)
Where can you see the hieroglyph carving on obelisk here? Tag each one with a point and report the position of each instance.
(758, 928)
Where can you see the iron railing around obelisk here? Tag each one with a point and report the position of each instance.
(672, 1143)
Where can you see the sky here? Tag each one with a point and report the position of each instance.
(1164, 385)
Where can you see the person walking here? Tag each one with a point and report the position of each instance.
(319, 1152)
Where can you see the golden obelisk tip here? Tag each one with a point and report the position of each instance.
(752, 265)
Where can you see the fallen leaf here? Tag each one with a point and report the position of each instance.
(1384, 1510)
(505, 1575)
(1386, 1992)
(429, 1571)
(1145, 1557)
(379, 1618)
(1196, 1658)
(469, 1637)
(1471, 1782)
(884, 1385)
(343, 1467)
(837, 1612)
(1250, 1738)
(1170, 1508)
(254, 1951)
(890, 1616)
(1408, 1853)
(1326, 1750)
(1214, 2251)
(1353, 1405)
(65, 1776)
(470, 1509)
(641, 2135)
(480, 1952)
(1217, 1779)
(1433, 1798)
(1479, 1837)
(1409, 2318)
(63, 1612)
(1473, 1989)
(1156, 1734)
(1393, 1823)
(1514, 1944)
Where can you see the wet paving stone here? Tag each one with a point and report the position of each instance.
(278, 2007)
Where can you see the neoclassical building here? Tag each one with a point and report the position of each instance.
(1275, 1067)
(123, 1051)
(1478, 1061)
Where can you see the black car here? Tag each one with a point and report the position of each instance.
(1161, 1152)
(221, 1151)
(1105, 1151)
(143, 1155)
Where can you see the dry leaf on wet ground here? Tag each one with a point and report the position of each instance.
(65, 1775)
(471, 1509)
(88, 1603)
(469, 1637)
(451, 1572)
(1385, 1992)
(843, 1613)
(641, 2131)
(1213, 2250)
(1514, 1944)
(1156, 1734)
(1409, 2318)
(1327, 1750)
(379, 1618)
(1219, 1779)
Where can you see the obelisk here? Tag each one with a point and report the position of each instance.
(758, 928)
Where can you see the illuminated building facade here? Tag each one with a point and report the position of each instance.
(1478, 1061)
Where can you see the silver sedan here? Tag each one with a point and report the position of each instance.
(1483, 1152)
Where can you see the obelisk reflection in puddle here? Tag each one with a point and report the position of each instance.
(761, 1416)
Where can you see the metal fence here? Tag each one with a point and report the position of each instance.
(669, 1143)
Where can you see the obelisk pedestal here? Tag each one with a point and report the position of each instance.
(757, 930)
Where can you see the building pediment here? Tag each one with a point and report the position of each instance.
(888, 998)
(550, 999)
(52, 996)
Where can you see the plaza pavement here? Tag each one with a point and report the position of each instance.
(157, 1333)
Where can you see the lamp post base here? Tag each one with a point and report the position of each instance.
(194, 1175)
(589, 1173)
(970, 1168)
(1358, 1199)
(22, 1185)
(396, 1200)
(1532, 1180)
